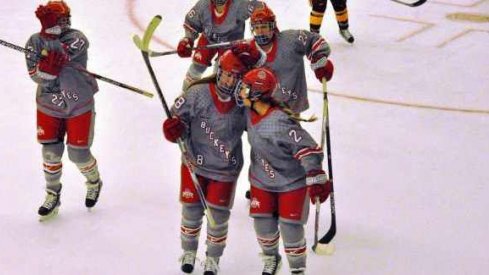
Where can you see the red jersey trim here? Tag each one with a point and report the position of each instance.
(256, 118)
(219, 19)
(273, 53)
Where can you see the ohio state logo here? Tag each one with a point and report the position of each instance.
(198, 56)
(255, 203)
(40, 131)
(187, 194)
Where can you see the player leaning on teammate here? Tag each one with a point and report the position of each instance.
(341, 12)
(65, 102)
(283, 52)
(285, 171)
(211, 124)
(210, 22)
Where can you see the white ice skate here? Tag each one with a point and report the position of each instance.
(188, 261)
(50, 207)
(272, 264)
(211, 266)
(93, 192)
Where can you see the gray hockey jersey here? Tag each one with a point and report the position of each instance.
(71, 93)
(282, 152)
(287, 61)
(229, 27)
(214, 129)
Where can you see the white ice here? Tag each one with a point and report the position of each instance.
(411, 183)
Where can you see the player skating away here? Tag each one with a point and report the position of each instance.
(341, 11)
(65, 102)
(285, 171)
(284, 53)
(210, 22)
(211, 124)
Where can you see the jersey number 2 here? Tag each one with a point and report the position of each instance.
(295, 136)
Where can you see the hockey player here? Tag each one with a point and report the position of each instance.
(283, 52)
(341, 11)
(211, 21)
(211, 124)
(285, 171)
(65, 103)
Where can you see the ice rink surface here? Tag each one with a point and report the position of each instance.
(409, 114)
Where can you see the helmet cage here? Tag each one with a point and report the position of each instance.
(219, 2)
(65, 23)
(227, 90)
(263, 38)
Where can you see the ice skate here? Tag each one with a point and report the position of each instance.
(298, 271)
(346, 34)
(93, 192)
(188, 261)
(272, 264)
(211, 266)
(50, 206)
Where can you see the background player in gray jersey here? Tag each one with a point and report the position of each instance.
(341, 12)
(207, 117)
(65, 104)
(286, 169)
(285, 51)
(211, 21)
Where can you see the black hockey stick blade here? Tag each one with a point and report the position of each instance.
(414, 4)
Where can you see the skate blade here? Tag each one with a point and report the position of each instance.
(49, 216)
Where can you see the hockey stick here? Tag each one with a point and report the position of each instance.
(97, 76)
(324, 245)
(211, 46)
(143, 45)
(414, 4)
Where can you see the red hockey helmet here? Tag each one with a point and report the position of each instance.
(263, 18)
(62, 12)
(229, 62)
(260, 82)
(231, 65)
(59, 7)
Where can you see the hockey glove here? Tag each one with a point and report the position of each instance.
(53, 63)
(184, 48)
(249, 55)
(323, 68)
(318, 185)
(173, 129)
(49, 22)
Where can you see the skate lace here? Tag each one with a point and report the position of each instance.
(188, 257)
(51, 200)
(211, 264)
(271, 262)
(92, 190)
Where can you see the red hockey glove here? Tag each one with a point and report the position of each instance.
(49, 20)
(173, 129)
(53, 63)
(318, 185)
(246, 53)
(184, 48)
(323, 67)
